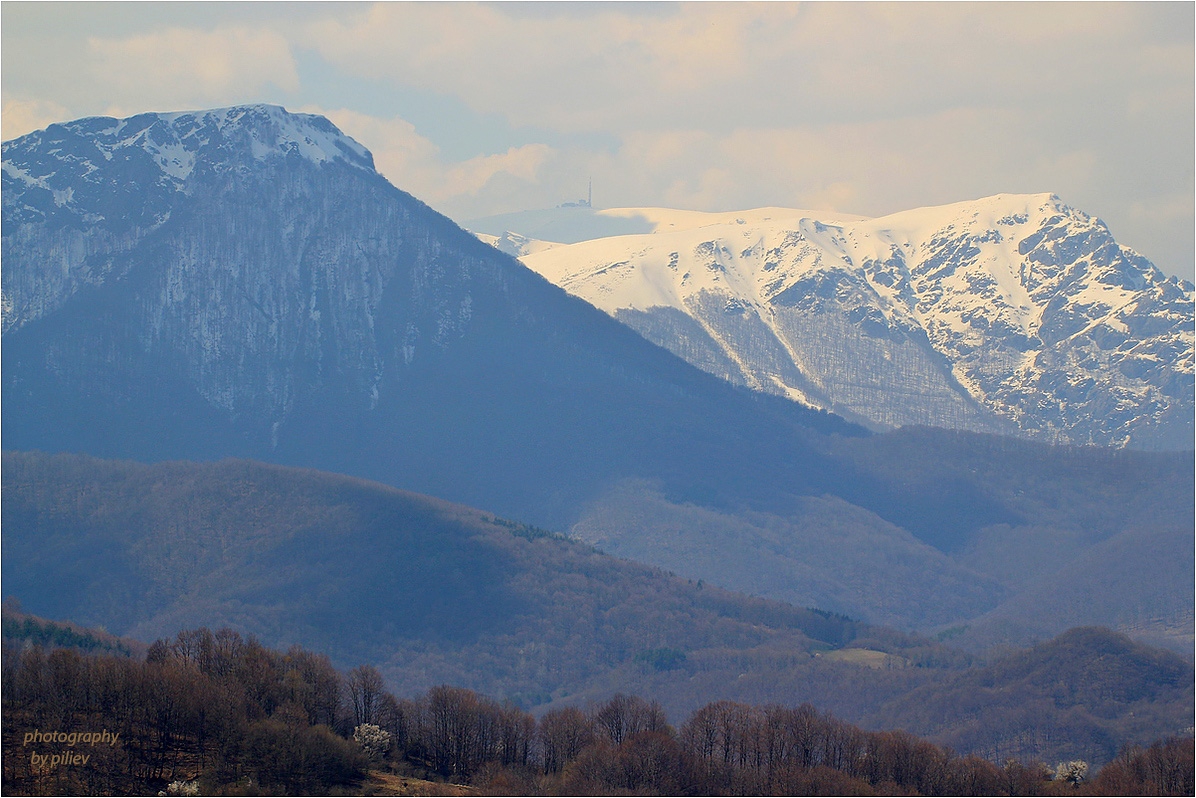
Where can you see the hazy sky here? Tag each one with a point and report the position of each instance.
(855, 107)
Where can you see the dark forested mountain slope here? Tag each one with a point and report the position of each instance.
(1101, 680)
(983, 538)
(370, 572)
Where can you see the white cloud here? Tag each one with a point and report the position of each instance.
(414, 164)
(19, 117)
(177, 67)
(567, 71)
(871, 167)
(523, 163)
(726, 65)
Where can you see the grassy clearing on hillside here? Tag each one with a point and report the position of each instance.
(866, 657)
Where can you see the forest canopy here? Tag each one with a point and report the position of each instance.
(217, 713)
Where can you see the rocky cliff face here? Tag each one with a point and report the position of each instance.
(1014, 314)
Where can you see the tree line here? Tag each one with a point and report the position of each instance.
(218, 713)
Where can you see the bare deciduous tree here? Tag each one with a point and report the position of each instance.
(365, 687)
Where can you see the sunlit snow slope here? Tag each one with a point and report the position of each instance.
(1014, 313)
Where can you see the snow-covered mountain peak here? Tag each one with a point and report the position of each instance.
(108, 183)
(1002, 212)
(165, 149)
(271, 130)
(1011, 312)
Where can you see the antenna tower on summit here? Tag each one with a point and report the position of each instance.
(588, 202)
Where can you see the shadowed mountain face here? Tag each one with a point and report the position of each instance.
(242, 283)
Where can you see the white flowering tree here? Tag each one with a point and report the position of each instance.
(1072, 772)
(374, 740)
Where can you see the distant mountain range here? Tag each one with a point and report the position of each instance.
(1014, 314)
(242, 283)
